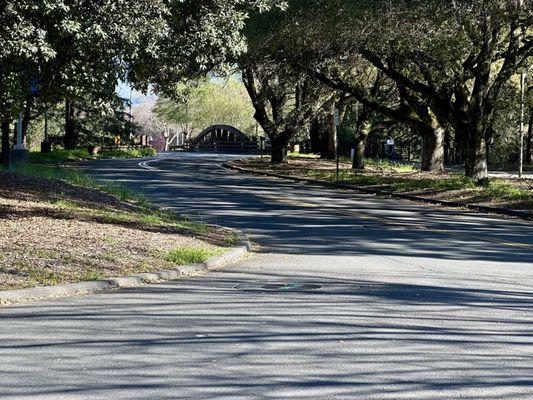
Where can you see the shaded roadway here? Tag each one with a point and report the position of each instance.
(415, 302)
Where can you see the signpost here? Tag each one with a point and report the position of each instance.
(390, 146)
(262, 146)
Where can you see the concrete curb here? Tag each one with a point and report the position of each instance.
(474, 207)
(81, 288)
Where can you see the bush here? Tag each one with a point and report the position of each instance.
(58, 156)
(190, 255)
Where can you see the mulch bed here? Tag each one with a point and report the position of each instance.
(43, 241)
(303, 167)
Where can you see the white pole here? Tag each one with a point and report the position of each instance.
(19, 145)
(521, 140)
(522, 101)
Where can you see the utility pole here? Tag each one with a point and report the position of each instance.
(46, 125)
(336, 119)
(131, 95)
(522, 106)
(521, 140)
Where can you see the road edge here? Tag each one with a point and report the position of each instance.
(335, 185)
(234, 254)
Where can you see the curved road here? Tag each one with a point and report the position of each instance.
(383, 299)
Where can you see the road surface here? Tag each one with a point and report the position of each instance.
(348, 296)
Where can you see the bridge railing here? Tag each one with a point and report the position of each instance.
(247, 146)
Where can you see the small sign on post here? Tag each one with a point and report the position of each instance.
(336, 116)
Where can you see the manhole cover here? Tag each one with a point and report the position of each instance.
(290, 286)
(278, 287)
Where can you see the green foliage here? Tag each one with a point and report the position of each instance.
(61, 155)
(93, 276)
(57, 50)
(128, 153)
(389, 165)
(75, 48)
(294, 154)
(190, 255)
(400, 184)
(201, 36)
(207, 102)
(502, 190)
(495, 190)
(430, 54)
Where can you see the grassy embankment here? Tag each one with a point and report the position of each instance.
(58, 225)
(402, 178)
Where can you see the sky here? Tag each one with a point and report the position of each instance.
(123, 90)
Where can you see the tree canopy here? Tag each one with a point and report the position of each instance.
(210, 101)
(66, 50)
(446, 71)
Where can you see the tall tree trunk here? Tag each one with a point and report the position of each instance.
(433, 150)
(279, 150)
(71, 137)
(4, 155)
(331, 135)
(315, 137)
(360, 144)
(476, 154)
(447, 145)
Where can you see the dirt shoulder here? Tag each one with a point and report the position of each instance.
(513, 194)
(53, 232)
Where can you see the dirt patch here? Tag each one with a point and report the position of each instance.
(52, 232)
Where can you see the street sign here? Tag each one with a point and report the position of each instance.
(336, 116)
(390, 142)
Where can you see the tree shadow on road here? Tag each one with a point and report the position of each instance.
(212, 338)
(265, 209)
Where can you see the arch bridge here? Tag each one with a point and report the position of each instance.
(223, 138)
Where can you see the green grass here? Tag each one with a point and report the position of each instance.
(302, 155)
(190, 255)
(146, 213)
(495, 190)
(58, 156)
(38, 275)
(43, 253)
(113, 241)
(501, 190)
(93, 276)
(79, 178)
(129, 153)
(384, 164)
(400, 184)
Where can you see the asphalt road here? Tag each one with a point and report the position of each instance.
(380, 299)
